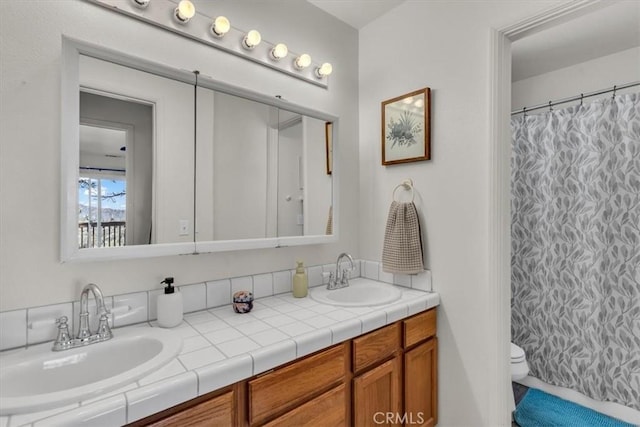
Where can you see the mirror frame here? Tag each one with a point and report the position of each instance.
(70, 149)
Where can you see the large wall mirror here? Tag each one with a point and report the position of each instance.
(158, 161)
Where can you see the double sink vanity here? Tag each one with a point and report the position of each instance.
(353, 355)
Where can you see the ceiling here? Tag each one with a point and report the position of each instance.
(102, 141)
(607, 30)
(356, 13)
(612, 28)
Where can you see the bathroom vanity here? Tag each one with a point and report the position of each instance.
(289, 361)
(387, 376)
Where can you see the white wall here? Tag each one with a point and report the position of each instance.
(290, 155)
(240, 129)
(445, 46)
(30, 45)
(590, 76)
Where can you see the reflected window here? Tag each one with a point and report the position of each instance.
(102, 211)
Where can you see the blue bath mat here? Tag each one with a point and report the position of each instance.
(540, 409)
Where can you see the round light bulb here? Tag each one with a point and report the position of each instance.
(252, 39)
(324, 70)
(185, 11)
(279, 51)
(221, 26)
(141, 4)
(302, 61)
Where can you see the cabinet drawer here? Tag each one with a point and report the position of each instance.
(375, 346)
(288, 387)
(326, 410)
(219, 411)
(419, 327)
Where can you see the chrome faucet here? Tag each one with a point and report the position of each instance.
(64, 340)
(341, 277)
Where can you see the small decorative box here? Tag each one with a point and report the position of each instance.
(242, 302)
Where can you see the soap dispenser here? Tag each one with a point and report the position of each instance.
(300, 281)
(169, 305)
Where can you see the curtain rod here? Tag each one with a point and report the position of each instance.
(575, 98)
(86, 168)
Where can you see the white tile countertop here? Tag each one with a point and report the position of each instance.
(222, 347)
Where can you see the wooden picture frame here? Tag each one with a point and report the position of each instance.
(406, 128)
(328, 132)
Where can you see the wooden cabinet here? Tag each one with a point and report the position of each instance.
(327, 410)
(215, 412)
(286, 388)
(386, 377)
(376, 393)
(421, 383)
(397, 374)
(375, 347)
(421, 369)
(419, 328)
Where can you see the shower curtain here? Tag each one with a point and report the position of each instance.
(575, 279)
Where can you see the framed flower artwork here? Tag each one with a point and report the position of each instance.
(406, 128)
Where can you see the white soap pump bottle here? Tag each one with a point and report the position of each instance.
(169, 305)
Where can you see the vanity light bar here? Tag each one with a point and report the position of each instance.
(182, 18)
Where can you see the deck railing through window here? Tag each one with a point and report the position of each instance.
(113, 234)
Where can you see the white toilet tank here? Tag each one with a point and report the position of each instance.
(519, 367)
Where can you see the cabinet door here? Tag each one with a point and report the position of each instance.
(421, 383)
(326, 410)
(376, 395)
(217, 412)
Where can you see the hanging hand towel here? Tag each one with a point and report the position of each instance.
(402, 250)
(329, 229)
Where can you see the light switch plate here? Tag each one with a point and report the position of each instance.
(184, 227)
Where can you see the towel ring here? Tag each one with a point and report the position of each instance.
(407, 184)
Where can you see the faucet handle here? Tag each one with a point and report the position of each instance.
(331, 284)
(63, 340)
(344, 276)
(61, 322)
(104, 331)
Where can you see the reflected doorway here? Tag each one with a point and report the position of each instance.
(115, 178)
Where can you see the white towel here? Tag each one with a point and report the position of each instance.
(402, 250)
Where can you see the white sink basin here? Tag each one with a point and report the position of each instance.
(360, 292)
(37, 378)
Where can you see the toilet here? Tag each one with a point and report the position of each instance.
(519, 367)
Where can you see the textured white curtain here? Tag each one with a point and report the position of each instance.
(575, 212)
